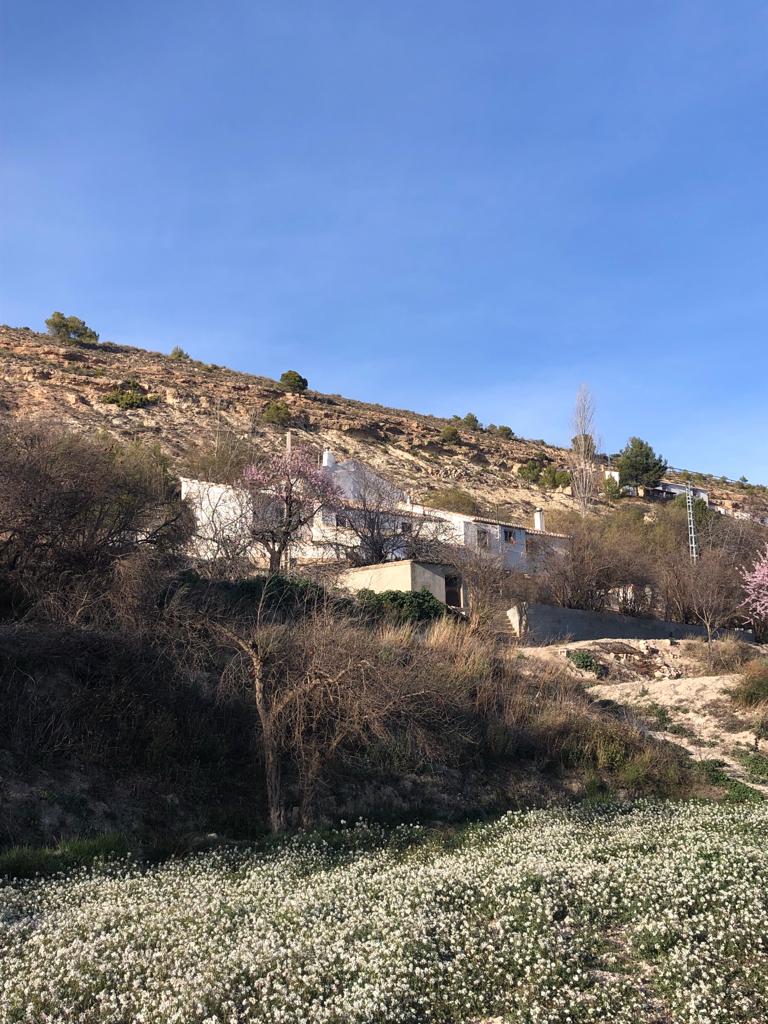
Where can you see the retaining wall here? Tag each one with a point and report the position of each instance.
(544, 623)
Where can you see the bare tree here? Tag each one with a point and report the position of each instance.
(75, 511)
(582, 459)
(489, 586)
(713, 589)
(319, 683)
(580, 575)
(286, 492)
(223, 543)
(222, 459)
(376, 525)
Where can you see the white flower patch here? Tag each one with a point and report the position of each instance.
(658, 913)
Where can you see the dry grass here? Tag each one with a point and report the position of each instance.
(728, 654)
(752, 689)
(374, 707)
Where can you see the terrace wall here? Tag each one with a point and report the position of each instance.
(543, 623)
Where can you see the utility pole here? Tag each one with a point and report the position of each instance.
(693, 541)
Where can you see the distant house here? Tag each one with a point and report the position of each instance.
(666, 491)
(518, 545)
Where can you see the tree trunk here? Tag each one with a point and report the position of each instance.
(272, 771)
(275, 558)
(309, 779)
(710, 654)
(274, 783)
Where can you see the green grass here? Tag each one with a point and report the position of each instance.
(711, 771)
(29, 861)
(587, 662)
(755, 763)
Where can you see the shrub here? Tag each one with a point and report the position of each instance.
(452, 499)
(611, 489)
(502, 431)
(293, 381)
(399, 606)
(178, 353)
(753, 686)
(129, 395)
(551, 478)
(531, 471)
(450, 435)
(728, 654)
(586, 662)
(70, 329)
(471, 422)
(278, 414)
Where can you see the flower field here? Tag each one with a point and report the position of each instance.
(658, 913)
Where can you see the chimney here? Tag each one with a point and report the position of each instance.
(538, 519)
(329, 459)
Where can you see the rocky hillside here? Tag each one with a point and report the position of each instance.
(190, 403)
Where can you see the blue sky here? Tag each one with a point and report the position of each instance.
(444, 206)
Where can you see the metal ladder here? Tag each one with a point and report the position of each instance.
(693, 541)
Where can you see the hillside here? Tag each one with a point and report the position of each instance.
(66, 385)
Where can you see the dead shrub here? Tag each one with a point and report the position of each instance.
(752, 690)
(728, 654)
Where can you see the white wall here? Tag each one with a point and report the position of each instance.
(223, 510)
(222, 514)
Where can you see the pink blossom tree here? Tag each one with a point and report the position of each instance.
(756, 586)
(286, 493)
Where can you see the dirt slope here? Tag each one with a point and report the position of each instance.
(660, 682)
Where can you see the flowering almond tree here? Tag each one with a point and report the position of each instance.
(756, 586)
(286, 493)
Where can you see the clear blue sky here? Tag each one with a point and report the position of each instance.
(445, 206)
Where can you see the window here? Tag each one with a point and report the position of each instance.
(342, 519)
(406, 526)
(483, 538)
(453, 591)
(509, 536)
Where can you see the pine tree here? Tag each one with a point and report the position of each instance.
(639, 465)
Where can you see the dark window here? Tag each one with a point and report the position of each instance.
(483, 538)
(406, 526)
(453, 591)
(342, 519)
(509, 536)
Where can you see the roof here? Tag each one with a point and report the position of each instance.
(394, 562)
(517, 526)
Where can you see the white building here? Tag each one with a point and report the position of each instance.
(222, 513)
(667, 491)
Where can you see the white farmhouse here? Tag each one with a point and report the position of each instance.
(222, 513)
